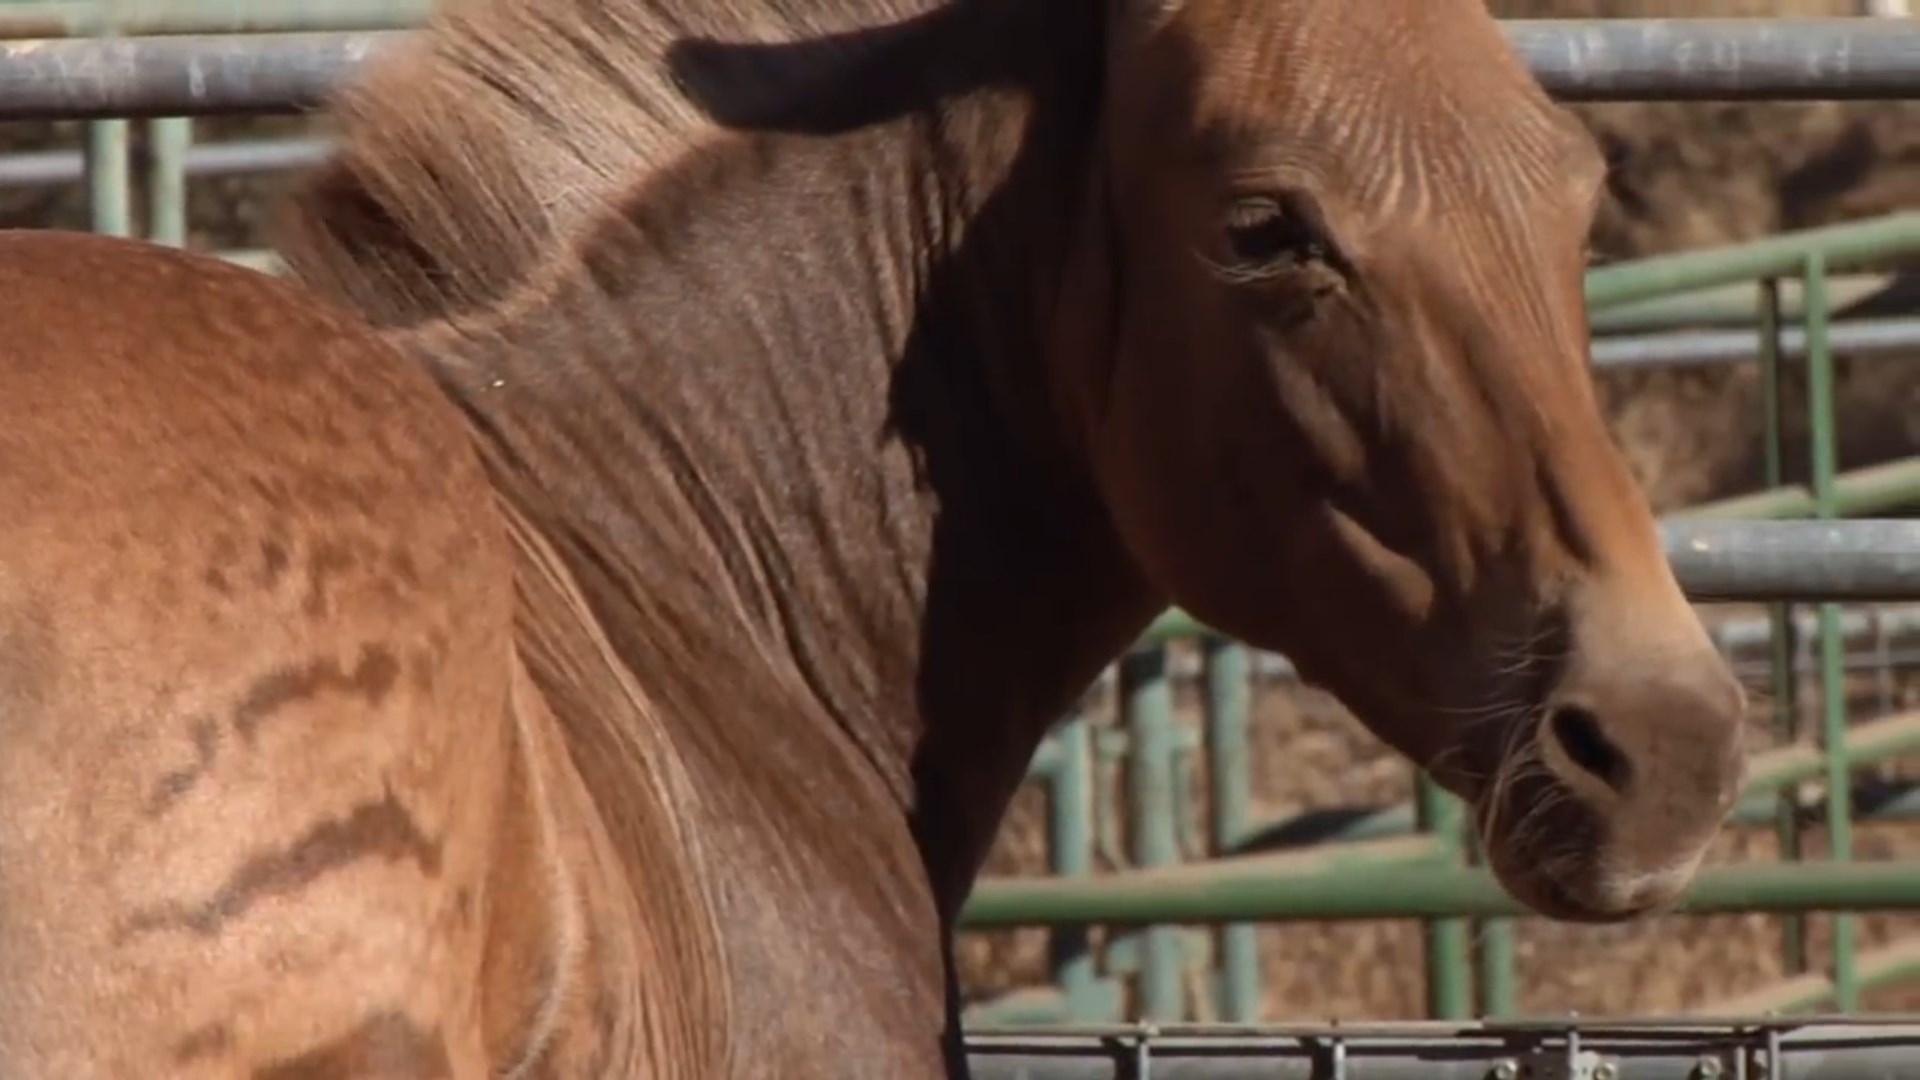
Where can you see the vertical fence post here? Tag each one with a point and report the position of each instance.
(168, 140)
(1148, 701)
(1820, 409)
(1227, 706)
(1498, 990)
(108, 163)
(1449, 974)
(1784, 680)
(1070, 850)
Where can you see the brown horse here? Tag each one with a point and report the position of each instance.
(620, 670)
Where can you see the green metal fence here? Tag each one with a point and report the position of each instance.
(1411, 861)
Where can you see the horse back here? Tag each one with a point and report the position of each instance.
(255, 617)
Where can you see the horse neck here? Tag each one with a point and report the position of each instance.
(784, 419)
(507, 124)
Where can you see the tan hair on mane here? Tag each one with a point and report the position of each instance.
(501, 129)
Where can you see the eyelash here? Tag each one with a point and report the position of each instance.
(1279, 232)
(1276, 240)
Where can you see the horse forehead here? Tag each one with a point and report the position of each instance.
(1406, 68)
(1400, 131)
(1326, 29)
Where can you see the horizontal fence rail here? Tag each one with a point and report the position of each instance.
(1269, 887)
(128, 18)
(1860, 338)
(56, 168)
(1839, 1048)
(1795, 560)
(1847, 245)
(1739, 306)
(1599, 60)
(1720, 59)
(195, 75)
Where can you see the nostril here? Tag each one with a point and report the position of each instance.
(1579, 734)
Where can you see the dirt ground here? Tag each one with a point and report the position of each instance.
(1685, 176)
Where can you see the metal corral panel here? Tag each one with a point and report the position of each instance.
(1764, 1049)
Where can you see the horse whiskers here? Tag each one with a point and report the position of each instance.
(1510, 714)
(1519, 761)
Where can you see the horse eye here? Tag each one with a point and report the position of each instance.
(1263, 231)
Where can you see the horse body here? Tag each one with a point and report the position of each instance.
(257, 613)
(334, 780)
(619, 665)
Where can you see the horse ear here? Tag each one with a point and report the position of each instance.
(1139, 17)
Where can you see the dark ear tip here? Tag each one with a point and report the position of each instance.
(699, 68)
(832, 81)
(1144, 16)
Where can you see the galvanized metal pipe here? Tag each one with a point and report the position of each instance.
(1826, 1048)
(203, 75)
(1695, 348)
(1797, 560)
(52, 168)
(1608, 59)
(82, 18)
(1720, 59)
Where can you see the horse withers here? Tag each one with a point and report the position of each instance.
(595, 630)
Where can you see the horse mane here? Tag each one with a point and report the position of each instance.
(498, 129)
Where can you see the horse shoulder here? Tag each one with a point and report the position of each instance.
(255, 633)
